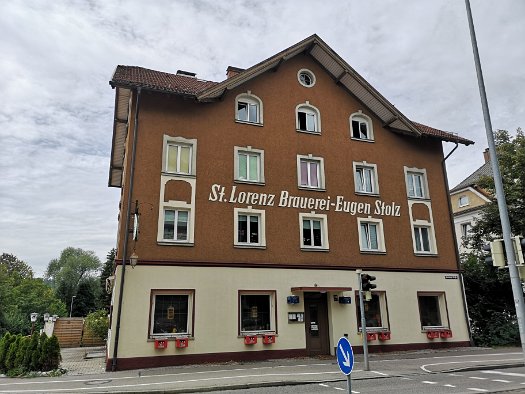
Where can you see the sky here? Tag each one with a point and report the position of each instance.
(57, 57)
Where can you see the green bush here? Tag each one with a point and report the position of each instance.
(31, 348)
(11, 353)
(51, 354)
(98, 323)
(5, 342)
(36, 357)
(21, 352)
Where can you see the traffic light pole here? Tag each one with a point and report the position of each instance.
(517, 290)
(363, 320)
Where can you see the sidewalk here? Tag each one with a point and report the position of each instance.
(83, 360)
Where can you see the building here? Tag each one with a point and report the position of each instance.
(468, 200)
(248, 205)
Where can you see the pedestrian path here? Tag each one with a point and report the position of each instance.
(83, 360)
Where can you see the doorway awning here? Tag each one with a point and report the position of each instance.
(320, 289)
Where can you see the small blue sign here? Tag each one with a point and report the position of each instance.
(345, 356)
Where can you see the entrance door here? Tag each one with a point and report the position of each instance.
(316, 324)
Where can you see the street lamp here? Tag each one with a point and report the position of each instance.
(71, 307)
(34, 316)
(46, 317)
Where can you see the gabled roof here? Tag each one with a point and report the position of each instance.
(127, 78)
(473, 179)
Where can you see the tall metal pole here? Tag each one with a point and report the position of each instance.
(71, 307)
(363, 321)
(517, 290)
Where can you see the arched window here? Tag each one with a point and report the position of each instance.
(248, 108)
(361, 127)
(308, 118)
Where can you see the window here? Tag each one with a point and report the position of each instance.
(365, 178)
(375, 311)
(361, 127)
(465, 228)
(171, 313)
(463, 201)
(306, 78)
(432, 310)
(179, 155)
(416, 182)
(248, 108)
(308, 118)
(249, 165)
(313, 231)
(257, 312)
(423, 239)
(371, 235)
(249, 227)
(310, 172)
(176, 224)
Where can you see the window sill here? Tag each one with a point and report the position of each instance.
(174, 243)
(419, 254)
(362, 139)
(307, 249)
(170, 337)
(373, 329)
(250, 182)
(313, 189)
(248, 123)
(366, 194)
(178, 174)
(247, 246)
(377, 252)
(418, 198)
(425, 329)
(308, 132)
(257, 333)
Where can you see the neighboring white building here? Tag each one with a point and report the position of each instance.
(468, 200)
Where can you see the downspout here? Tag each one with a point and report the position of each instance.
(128, 215)
(462, 285)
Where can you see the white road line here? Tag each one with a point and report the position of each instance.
(501, 381)
(338, 388)
(424, 367)
(380, 373)
(323, 385)
(477, 377)
(455, 374)
(475, 389)
(428, 382)
(448, 385)
(505, 373)
(412, 379)
(460, 356)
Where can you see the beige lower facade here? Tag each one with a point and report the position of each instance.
(219, 307)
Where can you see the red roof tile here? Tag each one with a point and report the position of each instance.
(157, 80)
(442, 135)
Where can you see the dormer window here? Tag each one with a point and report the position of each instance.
(248, 109)
(361, 127)
(463, 201)
(308, 118)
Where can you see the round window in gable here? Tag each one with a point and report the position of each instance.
(306, 78)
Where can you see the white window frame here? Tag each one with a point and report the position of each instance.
(189, 328)
(417, 172)
(261, 214)
(308, 109)
(179, 142)
(273, 318)
(381, 248)
(443, 310)
(368, 167)
(465, 229)
(362, 118)
(310, 74)
(238, 150)
(465, 201)
(249, 99)
(323, 218)
(419, 224)
(320, 175)
(188, 226)
(383, 311)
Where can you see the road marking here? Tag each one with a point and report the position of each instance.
(380, 373)
(477, 377)
(429, 382)
(475, 389)
(338, 388)
(323, 385)
(412, 379)
(501, 381)
(424, 367)
(505, 373)
(455, 374)
(448, 385)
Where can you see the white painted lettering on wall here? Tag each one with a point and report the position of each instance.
(218, 193)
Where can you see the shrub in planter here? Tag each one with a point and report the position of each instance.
(51, 354)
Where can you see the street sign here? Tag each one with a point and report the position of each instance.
(345, 356)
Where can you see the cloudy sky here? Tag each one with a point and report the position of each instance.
(57, 107)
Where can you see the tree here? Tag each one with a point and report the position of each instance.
(87, 296)
(50, 358)
(15, 267)
(107, 271)
(67, 272)
(31, 348)
(5, 342)
(98, 323)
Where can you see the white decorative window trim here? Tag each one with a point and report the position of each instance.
(381, 248)
(309, 74)
(308, 109)
(423, 223)
(442, 307)
(323, 218)
(321, 178)
(261, 214)
(249, 98)
(249, 150)
(360, 116)
(463, 201)
(169, 140)
(375, 182)
(409, 171)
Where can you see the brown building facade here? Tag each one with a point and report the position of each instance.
(248, 205)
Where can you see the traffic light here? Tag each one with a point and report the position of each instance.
(497, 253)
(366, 282)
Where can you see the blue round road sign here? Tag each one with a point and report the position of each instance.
(345, 356)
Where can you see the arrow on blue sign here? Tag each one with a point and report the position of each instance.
(345, 356)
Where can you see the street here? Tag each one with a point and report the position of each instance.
(453, 371)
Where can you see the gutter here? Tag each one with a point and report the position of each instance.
(126, 237)
(462, 285)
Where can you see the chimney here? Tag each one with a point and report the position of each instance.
(233, 71)
(486, 155)
(186, 74)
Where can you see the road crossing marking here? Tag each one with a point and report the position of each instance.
(501, 381)
(478, 378)
(448, 385)
(504, 373)
(479, 390)
(429, 382)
